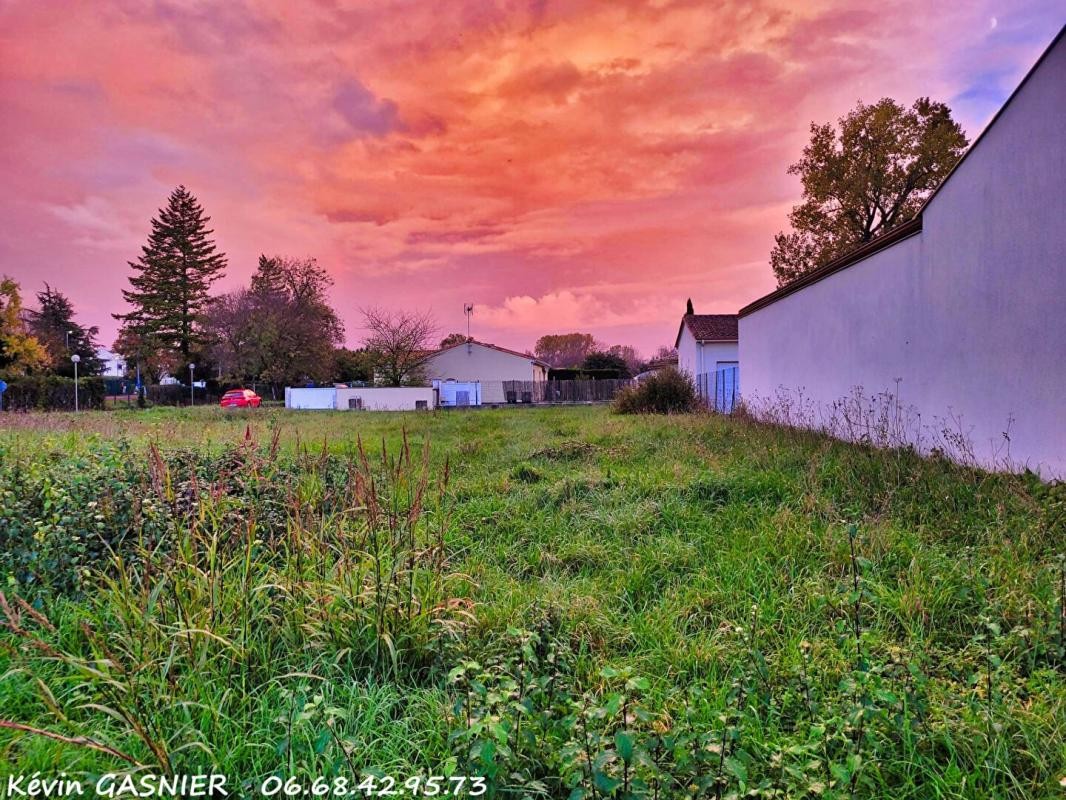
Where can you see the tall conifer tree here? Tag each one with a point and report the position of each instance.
(169, 287)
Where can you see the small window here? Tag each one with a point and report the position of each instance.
(355, 403)
(421, 405)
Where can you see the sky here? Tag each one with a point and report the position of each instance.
(564, 166)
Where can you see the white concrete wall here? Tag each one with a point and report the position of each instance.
(475, 362)
(318, 399)
(969, 315)
(381, 398)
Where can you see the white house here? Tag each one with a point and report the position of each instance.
(707, 350)
(956, 321)
(488, 364)
(114, 364)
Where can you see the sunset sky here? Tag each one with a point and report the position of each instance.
(562, 165)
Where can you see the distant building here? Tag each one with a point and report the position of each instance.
(114, 364)
(707, 350)
(957, 318)
(487, 364)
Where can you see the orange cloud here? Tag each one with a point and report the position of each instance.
(591, 164)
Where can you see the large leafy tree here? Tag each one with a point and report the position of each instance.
(281, 330)
(234, 330)
(565, 349)
(864, 179)
(54, 326)
(20, 351)
(169, 288)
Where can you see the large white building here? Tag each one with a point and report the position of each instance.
(955, 323)
(487, 364)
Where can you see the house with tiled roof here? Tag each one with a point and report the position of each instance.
(707, 350)
(487, 364)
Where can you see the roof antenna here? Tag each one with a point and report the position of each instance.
(468, 309)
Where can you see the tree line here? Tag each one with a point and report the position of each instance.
(278, 330)
(43, 340)
(860, 178)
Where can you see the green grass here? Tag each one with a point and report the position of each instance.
(648, 602)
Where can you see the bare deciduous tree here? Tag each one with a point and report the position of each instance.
(399, 342)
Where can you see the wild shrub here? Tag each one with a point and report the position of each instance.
(667, 391)
(363, 582)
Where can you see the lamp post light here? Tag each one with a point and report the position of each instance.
(75, 358)
(192, 385)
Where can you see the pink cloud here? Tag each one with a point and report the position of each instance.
(578, 164)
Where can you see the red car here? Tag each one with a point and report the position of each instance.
(240, 398)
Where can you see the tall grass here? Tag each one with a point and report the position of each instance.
(570, 602)
(184, 632)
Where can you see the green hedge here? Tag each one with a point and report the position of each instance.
(178, 395)
(52, 393)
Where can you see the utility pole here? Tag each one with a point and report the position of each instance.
(468, 309)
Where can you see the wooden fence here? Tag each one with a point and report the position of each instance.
(567, 391)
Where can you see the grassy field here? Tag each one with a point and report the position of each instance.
(567, 602)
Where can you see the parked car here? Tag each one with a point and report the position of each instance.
(240, 398)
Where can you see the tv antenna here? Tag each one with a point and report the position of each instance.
(468, 309)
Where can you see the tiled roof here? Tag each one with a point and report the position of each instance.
(709, 327)
(534, 359)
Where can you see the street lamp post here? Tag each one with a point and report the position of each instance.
(75, 358)
(68, 339)
(192, 384)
